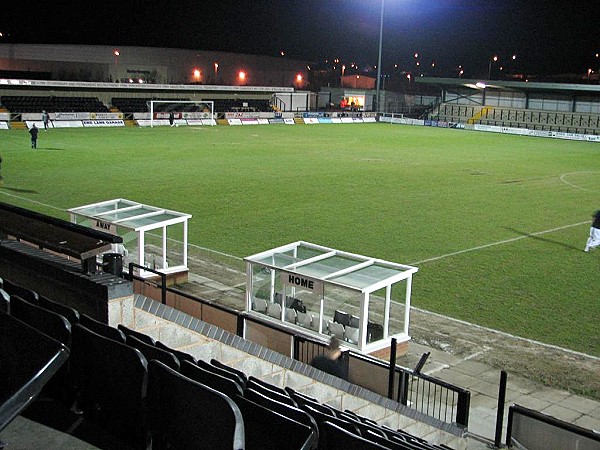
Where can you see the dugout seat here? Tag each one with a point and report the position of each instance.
(333, 436)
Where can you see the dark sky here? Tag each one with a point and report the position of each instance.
(547, 36)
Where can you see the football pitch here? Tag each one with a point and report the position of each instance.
(496, 224)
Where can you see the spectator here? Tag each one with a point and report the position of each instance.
(45, 119)
(330, 361)
(33, 131)
(171, 118)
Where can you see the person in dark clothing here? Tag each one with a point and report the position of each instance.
(594, 239)
(33, 131)
(171, 118)
(330, 361)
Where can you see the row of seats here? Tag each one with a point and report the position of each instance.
(344, 326)
(141, 390)
(35, 104)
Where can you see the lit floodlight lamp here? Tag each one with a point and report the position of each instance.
(480, 85)
(197, 74)
(242, 75)
(299, 78)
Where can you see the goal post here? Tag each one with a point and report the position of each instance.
(204, 114)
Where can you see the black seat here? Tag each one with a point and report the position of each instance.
(230, 369)
(15, 289)
(153, 352)
(342, 317)
(4, 301)
(320, 418)
(224, 373)
(102, 329)
(186, 414)
(71, 314)
(48, 322)
(284, 409)
(30, 359)
(333, 436)
(218, 382)
(271, 430)
(270, 391)
(113, 384)
(181, 356)
(138, 334)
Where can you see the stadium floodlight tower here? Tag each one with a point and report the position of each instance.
(378, 96)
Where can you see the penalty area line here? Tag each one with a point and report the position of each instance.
(505, 241)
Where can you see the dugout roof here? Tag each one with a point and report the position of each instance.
(130, 214)
(347, 270)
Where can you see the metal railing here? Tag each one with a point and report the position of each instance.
(163, 279)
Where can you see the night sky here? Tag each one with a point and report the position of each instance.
(547, 36)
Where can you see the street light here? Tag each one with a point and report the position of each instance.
(378, 96)
(494, 59)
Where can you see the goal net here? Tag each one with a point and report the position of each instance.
(181, 112)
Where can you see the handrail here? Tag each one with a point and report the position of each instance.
(163, 279)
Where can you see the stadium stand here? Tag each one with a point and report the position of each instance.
(30, 104)
(568, 122)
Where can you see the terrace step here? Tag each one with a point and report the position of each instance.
(18, 125)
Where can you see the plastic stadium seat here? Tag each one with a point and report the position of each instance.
(336, 329)
(101, 328)
(274, 310)
(181, 356)
(259, 305)
(305, 319)
(333, 436)
(153, 352)
(351, 334)
(290, 315)
(272, 430)
(239, 373)
(4, 301)
(183, 413)
(32, 358)
(211, 379)
(71, 314)
(113, 382)
(141, 336)
(26, 294)
(219, 371)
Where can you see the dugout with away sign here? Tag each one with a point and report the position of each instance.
(365, 302)
(152, 237)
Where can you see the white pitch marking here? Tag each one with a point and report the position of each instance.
(562, 178)
(506, 241)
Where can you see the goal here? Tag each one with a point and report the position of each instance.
(188, 112)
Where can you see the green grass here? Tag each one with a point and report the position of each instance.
(405, 194)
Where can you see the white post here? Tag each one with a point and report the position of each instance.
(141, 244)
(364, 318)
(407, 304)
(185, 243)
(386, 312)
(164, 248)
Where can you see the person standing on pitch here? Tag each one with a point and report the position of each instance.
(33, 131)
(594, 239)
(45, 119)
(171, 118)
